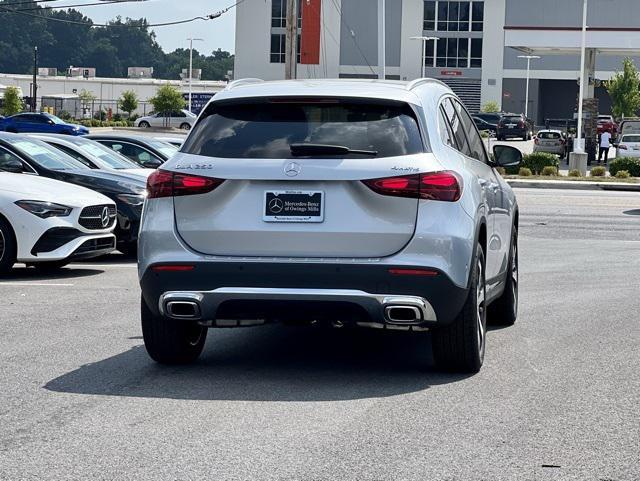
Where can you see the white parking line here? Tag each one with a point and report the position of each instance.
(34, 284)
(104, 266)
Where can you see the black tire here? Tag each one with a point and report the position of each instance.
(8, 248)
(49, 266)
(185, 126)
(129, 249)
(144, 125)
(500, 138)
(170, 341)
(504, 310)
(460, 346)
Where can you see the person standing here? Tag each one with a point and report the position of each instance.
(605, 144)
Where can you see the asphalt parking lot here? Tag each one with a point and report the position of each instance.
(557, 398)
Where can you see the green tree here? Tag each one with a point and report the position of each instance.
(624, 90)
(11, 101)
(491, 107)
(86, 98)
(167, 99)
(128, 101)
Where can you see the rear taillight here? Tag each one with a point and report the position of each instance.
(622, 147)
(521, 124)
(536, 141)
(445, 186)
(167, 184)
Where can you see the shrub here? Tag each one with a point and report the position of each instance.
(598, 171)
(623, 174)
(575, 173)
(629, 164)
(116, 117)
(95, 123)
(524, 172)
(64, 115)
(536, 162)
(549, 170)
(491, 107)
(501, 170)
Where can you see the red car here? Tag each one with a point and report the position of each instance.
(607, 124)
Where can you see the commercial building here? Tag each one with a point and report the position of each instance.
(61, 92)
(476, 51)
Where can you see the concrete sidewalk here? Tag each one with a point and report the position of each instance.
(574, 184)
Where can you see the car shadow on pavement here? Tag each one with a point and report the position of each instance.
(33, 274)
(274, 363)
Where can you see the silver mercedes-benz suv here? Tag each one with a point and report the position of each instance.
(364, 203)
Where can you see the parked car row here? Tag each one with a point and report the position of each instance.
(67, 197)
(505, 125)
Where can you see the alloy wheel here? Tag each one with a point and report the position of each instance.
(481, 313)
(514, 276)
(1, 245)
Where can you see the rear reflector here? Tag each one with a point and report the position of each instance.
(445, 186)
(173, 268)
(413, 272)
(162, 183)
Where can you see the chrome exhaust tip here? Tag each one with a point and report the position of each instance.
(402, 314)
(183, 309)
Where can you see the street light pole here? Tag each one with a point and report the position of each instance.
(526, 98)
(578, 145)
(423, 70)
(191, 66)
(382, 10)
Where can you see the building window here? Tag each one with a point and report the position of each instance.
(454, 52)
(279, 13)
(447, 16)
(278, 48)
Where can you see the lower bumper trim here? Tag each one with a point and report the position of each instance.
(376, 305)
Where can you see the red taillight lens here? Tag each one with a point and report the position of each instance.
(413, 272)
(521, 124)
(536, 141)
(444, 186)
(173, 268)
(166, 184)
(622, 147)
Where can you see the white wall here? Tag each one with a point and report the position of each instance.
(493, 51)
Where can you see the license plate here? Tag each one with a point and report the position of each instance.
(510, 126)
(293, 206)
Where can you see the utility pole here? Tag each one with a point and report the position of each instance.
(35, 84)
(191, 66)
(291, 41)
(579, 145)
(381, 39)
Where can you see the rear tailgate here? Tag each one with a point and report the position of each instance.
(273, 203)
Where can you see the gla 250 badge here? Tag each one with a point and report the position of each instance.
(194, 166)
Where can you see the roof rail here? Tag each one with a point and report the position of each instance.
(420, 81)
(243, 81)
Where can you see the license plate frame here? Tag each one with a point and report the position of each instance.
(291, 208)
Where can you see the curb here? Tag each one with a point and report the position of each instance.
(164, 130)
(573, 185)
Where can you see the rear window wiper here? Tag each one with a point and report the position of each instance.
(327, 149)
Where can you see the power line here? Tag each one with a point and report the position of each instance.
(210, 16)
(102, 2)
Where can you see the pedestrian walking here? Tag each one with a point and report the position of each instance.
(605, 144)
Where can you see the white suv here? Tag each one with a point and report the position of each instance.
(361, 203)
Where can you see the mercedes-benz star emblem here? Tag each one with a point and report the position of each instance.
(276, 206)
(292, 169)
(104, 217)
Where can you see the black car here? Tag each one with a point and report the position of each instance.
(144, 151)
(490, 117)
(32, 156)
(484, 125)
(514, 125)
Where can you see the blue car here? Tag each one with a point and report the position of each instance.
(43, 123)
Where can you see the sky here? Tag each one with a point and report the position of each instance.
(217, 33)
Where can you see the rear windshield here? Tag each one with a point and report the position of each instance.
(631, 138)
(267, 129)
(549, 135)
(512, 119)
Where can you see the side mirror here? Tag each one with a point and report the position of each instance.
(506, 156)
(152, 164)
(13, 166)
(50, 122)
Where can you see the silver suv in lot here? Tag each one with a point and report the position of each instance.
(365, 203)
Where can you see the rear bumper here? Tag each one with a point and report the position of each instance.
(512, 132)
(276, 291)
